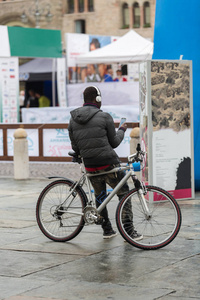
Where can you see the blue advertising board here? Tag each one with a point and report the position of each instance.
(177, 26)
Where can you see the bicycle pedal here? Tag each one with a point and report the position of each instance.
(99, 221)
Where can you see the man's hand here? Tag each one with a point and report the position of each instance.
(124, 126)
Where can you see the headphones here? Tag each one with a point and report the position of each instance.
(98, 97)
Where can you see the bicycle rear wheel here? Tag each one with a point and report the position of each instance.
(159, 229)
(59, 211)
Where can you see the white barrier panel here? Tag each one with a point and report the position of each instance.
(56, 143)
(62, 114)
(32, 138)
(113, 93)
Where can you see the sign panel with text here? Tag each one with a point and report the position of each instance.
(169, 126)
(9, 90)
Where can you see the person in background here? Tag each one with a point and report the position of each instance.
(119, 76)
(21, 103)
(32, 100)
(92, 76)
(104, 74)
(43, 100)
(21, 98)
(75, 74)
(110, 72)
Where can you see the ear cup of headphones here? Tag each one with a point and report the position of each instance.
(98, 97)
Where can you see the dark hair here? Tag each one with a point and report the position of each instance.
(96, 43)
(89, 94)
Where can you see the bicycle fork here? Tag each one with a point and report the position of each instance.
(141, 192)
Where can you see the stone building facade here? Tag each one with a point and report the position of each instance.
(101, 17)
(110, 17)
(23, 13)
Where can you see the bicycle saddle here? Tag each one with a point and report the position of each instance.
(76, 157)
(72, 153)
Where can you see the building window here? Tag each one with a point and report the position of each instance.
(80, 26)
(136, 15)
(147, 22)
(90, 5)
(81, 5)
(125, 15)
(70, 6)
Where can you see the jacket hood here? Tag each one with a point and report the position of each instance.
(83, 114)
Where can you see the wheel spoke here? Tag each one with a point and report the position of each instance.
(159, 229)
(59, 212)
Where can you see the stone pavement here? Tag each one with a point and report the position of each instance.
(88, 267)
(37, 169)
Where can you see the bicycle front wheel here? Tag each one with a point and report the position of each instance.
(59, 211)
(159, 228)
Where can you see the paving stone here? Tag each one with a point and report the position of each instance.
(12, 287)
(28, 298)
(77, 290)
(21, 263)
(37, 169)
(88, 267)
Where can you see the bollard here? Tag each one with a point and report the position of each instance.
(135, 139)
(21, 159)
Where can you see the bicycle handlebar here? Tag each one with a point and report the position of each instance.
(138, 156)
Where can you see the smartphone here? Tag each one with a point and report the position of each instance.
(122, 121)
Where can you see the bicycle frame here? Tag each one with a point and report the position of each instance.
(85, 178)
(116, 189)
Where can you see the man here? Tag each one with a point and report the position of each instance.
(104, 74)
(92, 76)
(32, 101)
(119, 76)
(42, 100)
(93, 136)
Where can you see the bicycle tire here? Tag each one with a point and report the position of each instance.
(157, 231)
(60, 226)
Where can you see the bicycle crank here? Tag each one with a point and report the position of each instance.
(91, 215)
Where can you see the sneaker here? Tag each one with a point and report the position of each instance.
(136, 236)
(109, 234)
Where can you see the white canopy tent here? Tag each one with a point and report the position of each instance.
(40, 69)
(129, 48)
(37, 65)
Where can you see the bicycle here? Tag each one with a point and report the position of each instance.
(63, 208)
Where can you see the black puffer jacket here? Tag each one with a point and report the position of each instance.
(93, 136)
